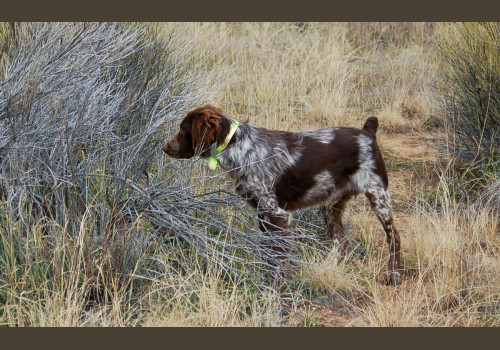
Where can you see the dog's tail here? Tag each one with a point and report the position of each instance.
(371, 125)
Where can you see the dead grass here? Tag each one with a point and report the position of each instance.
(332, 273)
(451, 267)
(298, 76)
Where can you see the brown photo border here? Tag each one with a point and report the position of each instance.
(257, 10)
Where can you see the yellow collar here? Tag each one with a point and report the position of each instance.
(213, 161)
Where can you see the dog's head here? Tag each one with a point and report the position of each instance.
(199, 129)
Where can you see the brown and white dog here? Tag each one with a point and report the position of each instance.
(279, 171)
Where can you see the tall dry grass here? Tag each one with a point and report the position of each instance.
(452, 258)
(309, 75)
(176, 248)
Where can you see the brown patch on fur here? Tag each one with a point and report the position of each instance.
(339, 158)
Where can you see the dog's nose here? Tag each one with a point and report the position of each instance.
(170, 149)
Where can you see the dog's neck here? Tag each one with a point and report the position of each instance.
(230, 159)
(213, 160)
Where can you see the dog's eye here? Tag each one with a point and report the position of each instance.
(184, 133)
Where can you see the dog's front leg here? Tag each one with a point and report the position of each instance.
(275, 226)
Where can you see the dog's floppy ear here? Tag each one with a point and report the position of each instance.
(205, 130)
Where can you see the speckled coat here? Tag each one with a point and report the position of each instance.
(279, 171)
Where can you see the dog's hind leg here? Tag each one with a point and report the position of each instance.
(380, 201)
(332, 214)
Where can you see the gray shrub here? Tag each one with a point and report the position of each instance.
(84, 110)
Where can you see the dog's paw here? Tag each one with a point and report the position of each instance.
(393, 278)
